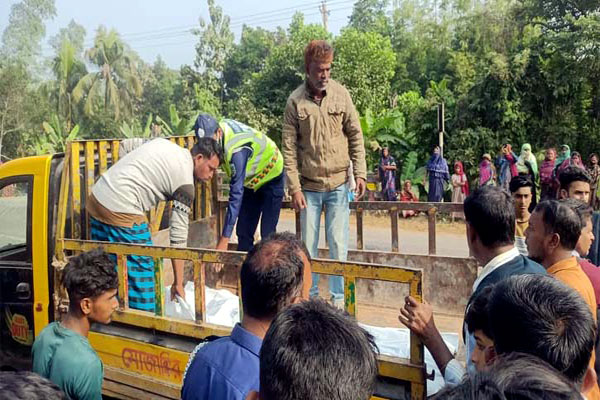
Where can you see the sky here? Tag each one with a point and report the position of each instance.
(162, 27)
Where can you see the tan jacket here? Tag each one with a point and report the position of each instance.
(319, 141)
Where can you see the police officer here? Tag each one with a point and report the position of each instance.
(255, 166)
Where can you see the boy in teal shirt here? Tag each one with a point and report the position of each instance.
(62, 352)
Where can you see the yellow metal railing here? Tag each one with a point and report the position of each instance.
(99, 155)
(411, 370)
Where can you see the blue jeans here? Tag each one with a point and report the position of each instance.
(337, 220)
(263, 204)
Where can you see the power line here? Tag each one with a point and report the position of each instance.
(233, 21)
(179, 43)
(251, 19)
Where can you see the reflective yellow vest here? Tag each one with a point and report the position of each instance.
(266, 161)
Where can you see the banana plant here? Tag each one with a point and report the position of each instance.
(134, 130)
(177, 126)
(56, 136)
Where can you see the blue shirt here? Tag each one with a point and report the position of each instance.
(238, 162)
(227, 368)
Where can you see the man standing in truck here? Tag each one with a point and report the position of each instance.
(255, 166)
(321, 136)
(157, 171)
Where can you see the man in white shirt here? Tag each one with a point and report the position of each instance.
(156, 171)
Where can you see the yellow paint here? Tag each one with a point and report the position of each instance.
(137, 357)
(167, 365)
(39, 168)
(75, 191)
(169, 325)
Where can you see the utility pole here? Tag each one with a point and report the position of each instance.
(324, 13)
(441, 126)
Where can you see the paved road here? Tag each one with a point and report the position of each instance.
(377, 236)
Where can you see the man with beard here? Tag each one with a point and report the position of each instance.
(552, 235)
(321, 137)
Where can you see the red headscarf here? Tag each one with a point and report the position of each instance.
(463, 177)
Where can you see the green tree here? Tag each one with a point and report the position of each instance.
(247, 58)
(116, 85)
(364, 63)
(370, 16)
(68, 71)
(176, 125)
(21, 38)
(72, 33)
(159, 86)
(215, 42)
(13, 89)
(283, 72)
(57, 136)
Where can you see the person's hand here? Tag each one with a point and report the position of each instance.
(177, 289)
(361, 188)
(221, 245)
(418, 317)
(298, 201)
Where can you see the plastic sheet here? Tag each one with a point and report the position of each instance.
(222, 308)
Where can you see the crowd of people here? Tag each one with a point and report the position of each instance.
(545, 178)
(530, 325)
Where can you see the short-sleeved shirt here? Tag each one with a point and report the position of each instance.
(225, 369)
(67, 359)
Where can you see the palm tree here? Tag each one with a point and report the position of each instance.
(116, 83)
(68, 71)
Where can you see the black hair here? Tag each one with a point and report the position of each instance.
(314, 350)
(89, 275)
(559, 218)
(28, 386)
(476, 316)
(582, 209)
(479, 386)
(490, 211)
(523, 376)
(520, 181)
(573, 174)
(541, 316)
(207, 147)
(272, 275)
(516, 376)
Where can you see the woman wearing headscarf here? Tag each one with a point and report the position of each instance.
(437, 172)
(460, 187)
(546, 181)
(563, 155)
(508, 169)
(387, 175)
(576, 160)
(487, 171)
(527, 166)
(594, 171)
